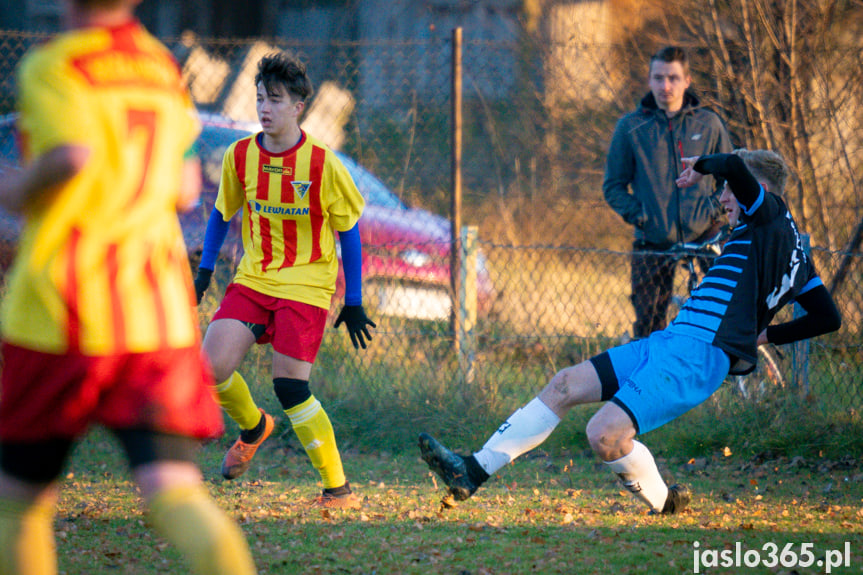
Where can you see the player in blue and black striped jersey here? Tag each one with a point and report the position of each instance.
(649, 382)
(764, 258)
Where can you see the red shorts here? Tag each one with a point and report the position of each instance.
(49, 396)
(295, 329)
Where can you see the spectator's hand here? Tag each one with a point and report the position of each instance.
(689, 177)
(202, 280)
(355, 320)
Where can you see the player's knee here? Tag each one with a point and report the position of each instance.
(572, 386)
(221, 369)
(221, 375)
(291, 392)
(594, 436)
(557, 394)
(606, 441)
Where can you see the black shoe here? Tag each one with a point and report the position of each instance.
(677, 500)
(449, 466)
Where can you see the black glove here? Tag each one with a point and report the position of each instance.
(356, 320)
(202, 280)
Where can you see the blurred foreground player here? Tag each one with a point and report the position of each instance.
(98, 324)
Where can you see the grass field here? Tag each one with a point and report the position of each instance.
(559, 512)
(792, 477)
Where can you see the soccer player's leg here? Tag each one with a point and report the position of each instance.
(611, 431)
(179, 507)
(40, 415)
(661, 378)
(27, 535)
(296, 341)
(225, 344)
(237, 401)
(239, 322)
(524, 430)
(315, 432)
(187, 517)
(28, 497)
(611, 434)
(162, 445)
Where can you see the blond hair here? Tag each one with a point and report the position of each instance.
(767, 166)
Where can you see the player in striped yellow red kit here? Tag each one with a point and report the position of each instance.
(293, 192)
(98, 324)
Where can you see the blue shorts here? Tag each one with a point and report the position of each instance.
(661, 377)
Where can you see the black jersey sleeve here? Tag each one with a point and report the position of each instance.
(822, 316)
(733, 170)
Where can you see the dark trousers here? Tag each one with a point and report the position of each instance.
(652, 284)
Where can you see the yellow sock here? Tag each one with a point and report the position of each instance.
(236, 399)
(27, 538)
(211, 543)
(315, 432)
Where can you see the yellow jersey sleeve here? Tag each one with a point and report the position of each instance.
(231, 196)
(346, 203)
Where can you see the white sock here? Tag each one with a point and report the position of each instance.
(640, 475)
(524, 430)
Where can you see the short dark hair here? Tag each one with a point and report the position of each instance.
(671, 54)
(281, 68)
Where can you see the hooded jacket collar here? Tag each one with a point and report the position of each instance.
(690, 102)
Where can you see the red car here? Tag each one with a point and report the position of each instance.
(406, 251)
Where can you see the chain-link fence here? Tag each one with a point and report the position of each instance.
(552, 259)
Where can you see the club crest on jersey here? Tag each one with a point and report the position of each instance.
(300, 188)
(280, 170)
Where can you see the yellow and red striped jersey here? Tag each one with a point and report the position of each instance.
(101, 266)
(292, 202)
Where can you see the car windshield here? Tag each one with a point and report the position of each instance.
(372, 189)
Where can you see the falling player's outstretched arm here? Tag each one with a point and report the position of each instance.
(733, 170)
(822, 316)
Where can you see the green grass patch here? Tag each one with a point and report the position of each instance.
(792, 473)
(557, 511)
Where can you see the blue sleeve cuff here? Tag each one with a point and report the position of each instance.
(813, 283)
(217, 231)
(352, 263)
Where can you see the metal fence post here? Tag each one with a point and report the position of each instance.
(455, 215)
(467, 303)
(800, 349)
